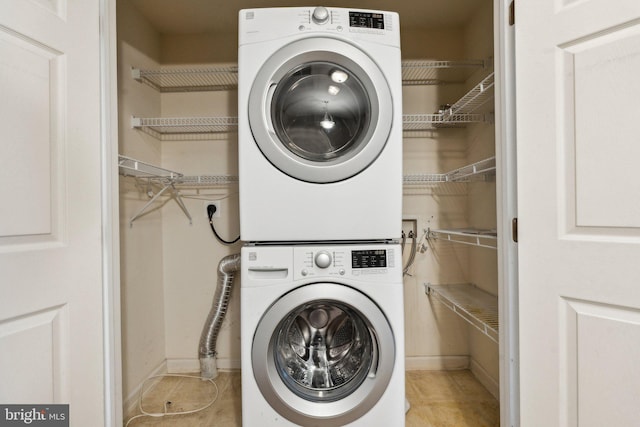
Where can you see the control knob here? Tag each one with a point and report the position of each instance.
(320, 15)
(323, 259)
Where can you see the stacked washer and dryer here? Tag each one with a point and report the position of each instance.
(320, 165)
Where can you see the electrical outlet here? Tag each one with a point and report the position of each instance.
(214, 203)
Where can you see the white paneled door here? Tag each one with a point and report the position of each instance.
(51, 327)
(578, 127)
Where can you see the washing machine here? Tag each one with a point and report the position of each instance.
(319, 124)
(322, 332)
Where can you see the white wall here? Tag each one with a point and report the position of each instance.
(142, 294)
(191, 252)
(435, 337)
(483, 263)
(434, 333)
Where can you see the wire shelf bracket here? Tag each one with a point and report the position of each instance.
(165, 177)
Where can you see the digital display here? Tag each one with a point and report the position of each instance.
(366, 20)
(369, 259)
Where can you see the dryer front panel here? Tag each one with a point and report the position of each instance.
(323, 354)
(320, 110)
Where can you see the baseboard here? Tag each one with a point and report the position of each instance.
(436, 363)
(130, 403)
(182, 366)
(485, 379)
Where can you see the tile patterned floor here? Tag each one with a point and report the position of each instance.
(437, 398)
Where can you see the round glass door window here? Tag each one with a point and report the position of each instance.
(323, 361)
(323, 350)
(321, 111)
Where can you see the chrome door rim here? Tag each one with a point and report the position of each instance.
(332, 51)
(326, 414)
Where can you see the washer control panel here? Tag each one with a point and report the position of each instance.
(345, 261)
(369, 258)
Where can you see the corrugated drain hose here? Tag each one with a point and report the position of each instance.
(227, 268)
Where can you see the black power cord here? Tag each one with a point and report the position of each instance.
(211, 210)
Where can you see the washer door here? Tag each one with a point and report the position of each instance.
(320, 110)
(320, 360)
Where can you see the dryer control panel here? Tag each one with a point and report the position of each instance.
(366, 20)
(260, 25)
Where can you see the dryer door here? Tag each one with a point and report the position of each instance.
(320, 360)
(320, 110)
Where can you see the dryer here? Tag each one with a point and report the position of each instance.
(319, 124)
(322, 336)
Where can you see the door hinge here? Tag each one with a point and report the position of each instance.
(512, 12)
(514, 229)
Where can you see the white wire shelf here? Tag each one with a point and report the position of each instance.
(202, 79)
(458, 114)
(207, 180)
(132, 167)
(466, 236)
(139, 169)
(475, 99)
(425, 178)
(482, 169)
(189, 79)
(187, 128)
(176, 128)
(425, 72)
(167, 128)
(479, 308)
(418, 122)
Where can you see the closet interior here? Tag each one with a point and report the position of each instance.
(178, 152)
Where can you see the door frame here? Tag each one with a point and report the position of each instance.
(504, 56)
(112, 356)
(506, 192)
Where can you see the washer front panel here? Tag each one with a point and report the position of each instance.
(322, 360)
(320, 110)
